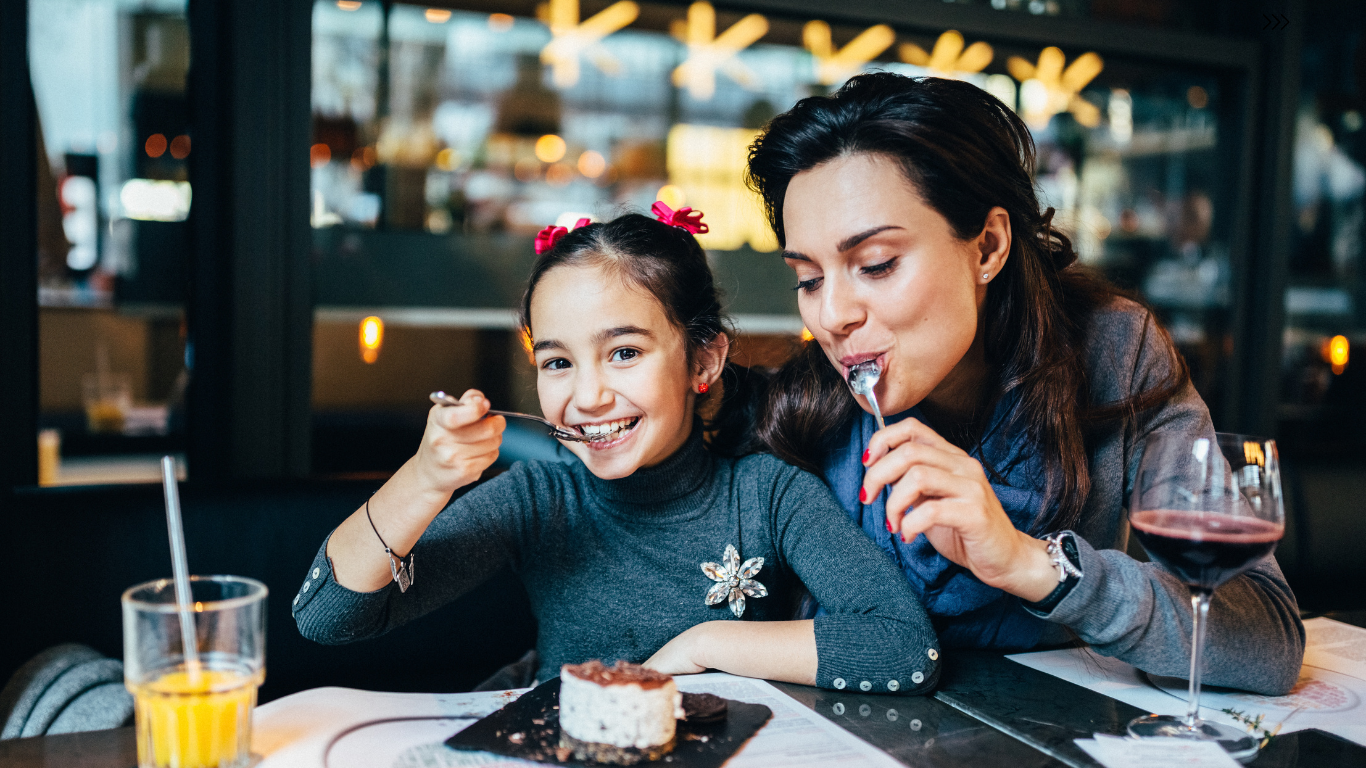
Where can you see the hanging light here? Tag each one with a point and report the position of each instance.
(833, 65)
(570, 38)
(371, 338)
(1336, 352)
(708, 51)
(1046, 88)
(949, 57)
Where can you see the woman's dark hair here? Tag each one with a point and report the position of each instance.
(964, 152)
(668, 263)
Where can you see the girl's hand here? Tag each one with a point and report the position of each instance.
(458, 444)
(952, 503)
(681, 655)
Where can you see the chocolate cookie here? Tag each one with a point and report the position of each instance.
(703, 708)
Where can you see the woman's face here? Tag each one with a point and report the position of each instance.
(609, 360)
(882, 276)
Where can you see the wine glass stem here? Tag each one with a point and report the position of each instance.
(1200, 612)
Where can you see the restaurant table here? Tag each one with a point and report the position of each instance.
(987, 711)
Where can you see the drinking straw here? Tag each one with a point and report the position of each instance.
(179, 568)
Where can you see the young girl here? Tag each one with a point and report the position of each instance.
(655, 549)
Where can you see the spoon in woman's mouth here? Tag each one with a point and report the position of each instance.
(862, 379)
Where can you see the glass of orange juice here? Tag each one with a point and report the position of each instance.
(195, 712)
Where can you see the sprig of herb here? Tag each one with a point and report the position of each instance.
(1254, 725)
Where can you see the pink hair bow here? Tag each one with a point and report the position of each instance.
(546, 238)
(683, 218)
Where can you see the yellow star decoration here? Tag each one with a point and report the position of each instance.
(832, 65)
(708, 51)
(1047, 89)
(570, 38)
(948, 56)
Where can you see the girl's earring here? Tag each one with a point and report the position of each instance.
(986, 275)
(702, 388)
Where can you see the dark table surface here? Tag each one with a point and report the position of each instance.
(988, 711)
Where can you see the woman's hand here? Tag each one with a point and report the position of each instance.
(458, 444)
(952, 503)
(681, 655)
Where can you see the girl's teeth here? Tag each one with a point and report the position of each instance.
(609, 427)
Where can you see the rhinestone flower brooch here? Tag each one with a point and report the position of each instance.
(733, 580)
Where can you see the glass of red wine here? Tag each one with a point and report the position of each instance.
(1206, 509)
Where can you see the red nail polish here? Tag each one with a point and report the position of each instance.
(889, 525)
(865, 456)
(863, 496)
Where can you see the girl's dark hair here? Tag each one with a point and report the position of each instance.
(667, 262)
(964, 152)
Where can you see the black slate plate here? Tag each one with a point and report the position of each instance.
(700, 745)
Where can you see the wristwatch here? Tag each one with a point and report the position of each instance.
(1062, 548)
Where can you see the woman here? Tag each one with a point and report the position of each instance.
(1021, 387)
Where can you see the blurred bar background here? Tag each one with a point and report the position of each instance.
(256, 234)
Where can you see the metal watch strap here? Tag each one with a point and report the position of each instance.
(1062, 560)
(1062, 548)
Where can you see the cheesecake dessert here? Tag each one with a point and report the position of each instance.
(623, 714)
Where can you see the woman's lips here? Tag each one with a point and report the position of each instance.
(849, 361)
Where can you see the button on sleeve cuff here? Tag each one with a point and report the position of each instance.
(850, 657)
(328, 613)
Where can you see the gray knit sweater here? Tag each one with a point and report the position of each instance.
(1139, 612)
(613, 567)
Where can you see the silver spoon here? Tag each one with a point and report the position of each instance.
(862, 379)
(442, 398)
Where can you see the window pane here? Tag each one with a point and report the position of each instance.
(114, 192)
(444, 140)
(1323, 380)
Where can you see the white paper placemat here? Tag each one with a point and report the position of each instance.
(1328, 695)
(346, 728)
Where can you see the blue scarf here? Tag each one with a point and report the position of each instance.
(966, 613)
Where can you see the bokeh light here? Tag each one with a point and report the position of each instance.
(592, 164)
(671, 196)
(371, 338)
(550, 148)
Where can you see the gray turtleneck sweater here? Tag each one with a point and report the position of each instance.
(613, 567)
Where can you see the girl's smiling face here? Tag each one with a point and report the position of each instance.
(608, 359)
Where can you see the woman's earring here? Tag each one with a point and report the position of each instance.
(986, 275)
(702, 388)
